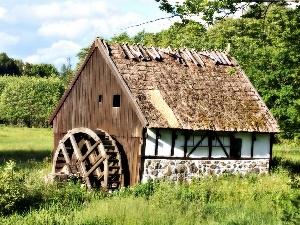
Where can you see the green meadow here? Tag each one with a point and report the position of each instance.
(25, 159)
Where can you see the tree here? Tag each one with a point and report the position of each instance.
(39, 70)
(8, 66)
(81, 55)
(122, 38)
(66, 72)
(181, 34)
(211, 10)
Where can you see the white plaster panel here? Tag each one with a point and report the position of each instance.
(165, 143)
(150, 142)
(218, 152)
(262, 146)
(179, 142)
(246, 144)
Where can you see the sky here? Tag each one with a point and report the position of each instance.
(50, 31)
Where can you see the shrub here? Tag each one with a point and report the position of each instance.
(12, 189)
(29, 101)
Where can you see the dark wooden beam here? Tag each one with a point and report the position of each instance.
(210, 138)
(157, 136)
(231, 144)
(272, 139)
(218, 139)
(186, 138)
(253, 138)
(198, 143)
(197, 158)
(174, 137)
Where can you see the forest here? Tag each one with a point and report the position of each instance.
(264, 40)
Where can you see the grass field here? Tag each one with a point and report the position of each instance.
(26, 199)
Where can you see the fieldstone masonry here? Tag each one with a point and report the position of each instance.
(180, 170)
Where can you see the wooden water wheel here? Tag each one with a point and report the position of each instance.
(91, 155)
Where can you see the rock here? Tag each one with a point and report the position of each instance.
(193, 168)
(180, 168)
(167, 171)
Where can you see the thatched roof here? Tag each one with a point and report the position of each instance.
(185, 89)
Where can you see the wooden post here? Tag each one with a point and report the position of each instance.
(174, 137)
(253, 138)
(272, 138)
(210, 138)
(186, 138)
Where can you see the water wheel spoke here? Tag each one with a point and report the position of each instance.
(92, 155)
(65, 152)
(86, 174)
(90, 149)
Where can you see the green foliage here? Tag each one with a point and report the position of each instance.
(8, 66)
(123, 38)
(214, 10)
(12, 189)
(66, 72)
(81, 55)
(39, 70)
(145, 189)
(15, 67)
(28, 101)
(184, 34)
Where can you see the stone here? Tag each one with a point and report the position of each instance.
(165, 163)
(167, 171)
(180, 168)
(193, 168)
(213, 166)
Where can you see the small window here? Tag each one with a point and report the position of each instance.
(117, 101)
(100, 98)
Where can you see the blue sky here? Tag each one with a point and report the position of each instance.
(50, 31)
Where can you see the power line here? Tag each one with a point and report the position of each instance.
(151, 21)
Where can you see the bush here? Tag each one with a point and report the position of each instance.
(28, 101)
(12, 189)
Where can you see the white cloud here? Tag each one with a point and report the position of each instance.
(8, 40)
(56, 54)
(68, 29)
(67, 9)
(2, 12)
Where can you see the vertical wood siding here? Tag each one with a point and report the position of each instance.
(82, 109)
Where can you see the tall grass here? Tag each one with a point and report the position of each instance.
(268, 199)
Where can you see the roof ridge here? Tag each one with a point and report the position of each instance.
(139, 52)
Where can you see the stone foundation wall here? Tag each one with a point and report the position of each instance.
(180, 170)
